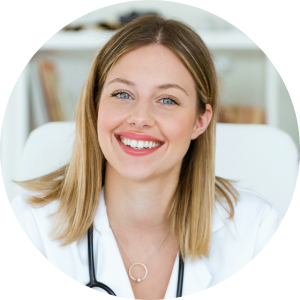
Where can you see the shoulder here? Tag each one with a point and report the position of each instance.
(250, 207)
(36, 221)
(236, 241)
(254, 207)
(23, 210)
(255, 220)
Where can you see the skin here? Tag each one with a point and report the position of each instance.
(145, 184)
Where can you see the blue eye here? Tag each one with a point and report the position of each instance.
(124, 95)
(121, 95)
(168, 101)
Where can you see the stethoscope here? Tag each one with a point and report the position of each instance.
(94, 283)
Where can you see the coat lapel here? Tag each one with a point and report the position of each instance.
(197, 276)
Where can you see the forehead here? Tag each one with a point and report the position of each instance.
(152, 65)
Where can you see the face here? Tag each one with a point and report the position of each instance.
(147, 114)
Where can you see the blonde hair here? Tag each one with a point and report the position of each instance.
(76, 185)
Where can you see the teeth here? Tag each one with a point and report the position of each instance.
(133, 143)
(139, 144)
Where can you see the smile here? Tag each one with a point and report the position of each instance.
(138, 145)
(135, 144)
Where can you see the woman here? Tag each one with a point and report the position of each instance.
(142, 174)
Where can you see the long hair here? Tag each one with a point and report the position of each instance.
(76, 185)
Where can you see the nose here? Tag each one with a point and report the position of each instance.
(141, 115)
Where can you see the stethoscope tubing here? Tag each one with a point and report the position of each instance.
(94, 283)
(180, 277)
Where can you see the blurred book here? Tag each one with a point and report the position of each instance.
(102, 25)
(128, 17)
(242, 114)
(112, 24)
(39, 110)
(49, 102)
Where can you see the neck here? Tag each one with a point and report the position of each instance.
(139, 207)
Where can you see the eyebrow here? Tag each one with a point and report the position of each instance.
(162, 87)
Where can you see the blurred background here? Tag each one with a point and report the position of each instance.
(252, 92)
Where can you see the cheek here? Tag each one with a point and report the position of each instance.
(178, 132)
(107, 122)
(109, 115)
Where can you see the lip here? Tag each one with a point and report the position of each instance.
(138, 137)
(142, 137)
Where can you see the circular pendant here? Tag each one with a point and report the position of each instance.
(138, 279)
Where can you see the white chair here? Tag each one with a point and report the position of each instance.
(263, 159)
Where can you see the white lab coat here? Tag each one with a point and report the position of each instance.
(234, 244)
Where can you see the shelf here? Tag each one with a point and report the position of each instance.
(77, 40)
(227, 40)
(95, 39)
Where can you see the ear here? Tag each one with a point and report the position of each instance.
(202, 122)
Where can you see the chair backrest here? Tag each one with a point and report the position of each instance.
(262, 158)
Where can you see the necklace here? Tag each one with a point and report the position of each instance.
(135, 264)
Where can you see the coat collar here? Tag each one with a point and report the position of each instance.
(197, 276)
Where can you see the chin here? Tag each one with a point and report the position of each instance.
(137, 175)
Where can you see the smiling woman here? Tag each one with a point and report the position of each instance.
(142, 174)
